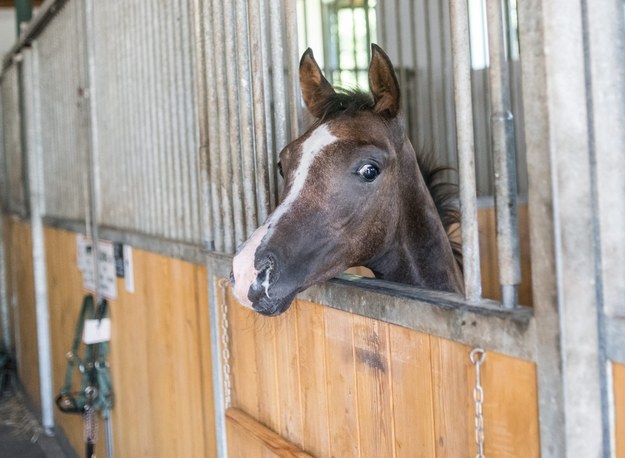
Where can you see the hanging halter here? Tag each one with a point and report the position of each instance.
(96, 393)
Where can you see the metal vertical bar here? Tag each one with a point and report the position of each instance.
(502, 123)
(274, 183)
(93, 164)
(36, 193)
(200, 76)
(606, 30)
(246, 118)
(190, 123)
(212, 118)
(565, 281)
(234, 125)
(4, 299)
(466, 152)
(295, 112)
(257, 57)
(277, 66)
(219, 404)
(225, 166)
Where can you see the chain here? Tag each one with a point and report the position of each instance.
(478, 356)
(225, 342)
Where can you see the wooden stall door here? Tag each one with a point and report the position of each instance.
(340, 385)
(160, 353)
(21, 293)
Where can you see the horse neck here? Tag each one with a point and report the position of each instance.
(418, 251)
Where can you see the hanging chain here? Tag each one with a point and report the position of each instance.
(478, 356)
(225, 342)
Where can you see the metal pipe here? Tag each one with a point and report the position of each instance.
(295, 109)
(4, 299)
(277, 66)
(225, 165)
(36, 192)
(234, 125)
(200, 72)
(258, 90)
(219, 404)
(274, 183)
(466, 149)
(502, 123)
(246, 126)
(93, 164)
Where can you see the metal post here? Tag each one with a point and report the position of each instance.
(503, 143)
(256, 18)
(246, 119)
(216, 357)
(4, 300)
(466, 149)
(562, 233)
(36, 200)
(93, 167)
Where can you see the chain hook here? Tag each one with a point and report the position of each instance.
(223, 284)
(478, 357)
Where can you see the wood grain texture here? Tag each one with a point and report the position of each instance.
(489, 263)
(160, 352)
(353, 386)
(618, 375)
(65, 295)
(21, 289)
(249, 438)
(412, 393)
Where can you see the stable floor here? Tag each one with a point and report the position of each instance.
(21, 435)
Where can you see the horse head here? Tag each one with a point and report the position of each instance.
(353, 195)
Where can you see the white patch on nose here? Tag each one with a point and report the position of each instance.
(243, 268)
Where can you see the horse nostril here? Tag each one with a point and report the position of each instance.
(265, 276)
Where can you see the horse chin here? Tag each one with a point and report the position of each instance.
(273, 307)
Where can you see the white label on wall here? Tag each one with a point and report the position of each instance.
(129, 274)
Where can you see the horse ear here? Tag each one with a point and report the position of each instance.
(383, 83)
(315, 88)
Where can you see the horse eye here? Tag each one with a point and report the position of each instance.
(280, 169)
(369, 172)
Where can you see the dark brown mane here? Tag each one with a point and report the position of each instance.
(346, 101)
(445, 196)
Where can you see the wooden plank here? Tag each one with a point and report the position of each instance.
(65, 295)
(412, 393)
(187, 389)
(263, 439)
(618, 375)
(288, 375)
(134, 413)
(244, 373)
(23, 292)
(510, 407)
(205, 363)
(313, 382)
(452, 399)
(373, 375)
(341, 376)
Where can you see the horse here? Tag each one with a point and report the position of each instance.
(355, 194)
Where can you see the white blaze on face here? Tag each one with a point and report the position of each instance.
(243, 267)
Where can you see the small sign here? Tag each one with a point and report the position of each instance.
(118, 249)
(129, 273)
(97, 331)
(106, 266)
